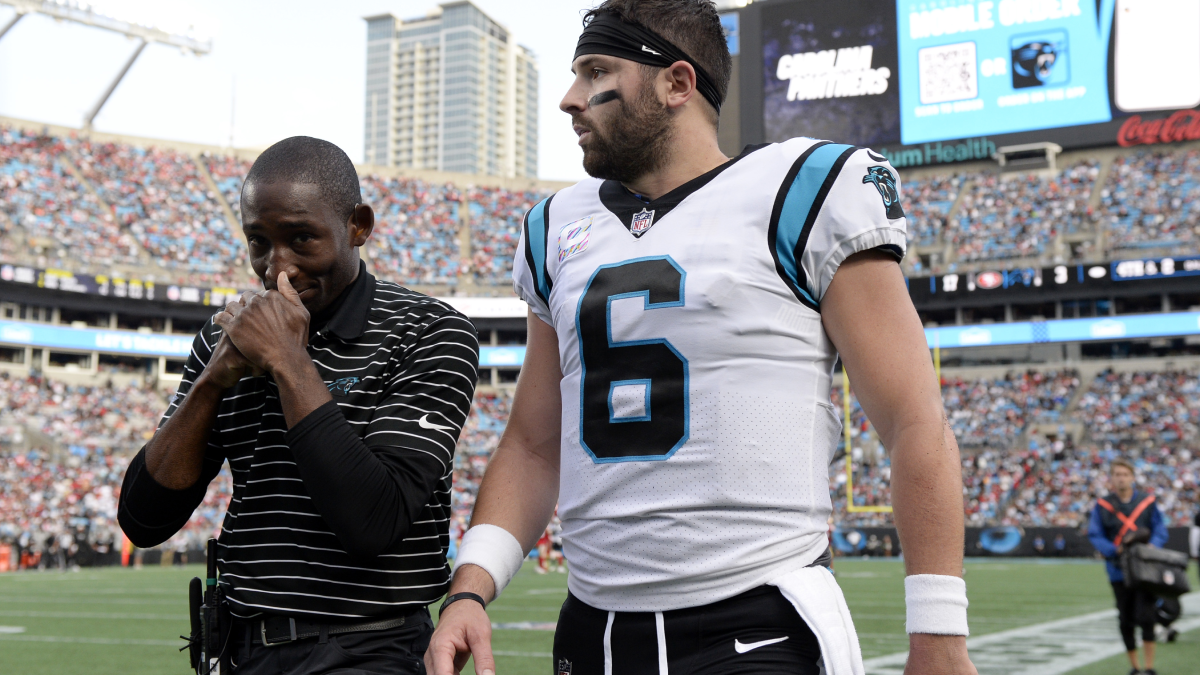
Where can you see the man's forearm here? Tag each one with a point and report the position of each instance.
(175, 455)
(301, 388)
(927, 500)
(518, 493)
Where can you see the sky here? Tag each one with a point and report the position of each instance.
(278, 68)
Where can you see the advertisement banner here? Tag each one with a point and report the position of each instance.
(829, 71)
(116, 287)
(929, 83)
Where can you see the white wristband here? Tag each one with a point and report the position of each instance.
(936, 604)
(495, 550)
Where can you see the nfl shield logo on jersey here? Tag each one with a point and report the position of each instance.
(564, 667)
(642, 220)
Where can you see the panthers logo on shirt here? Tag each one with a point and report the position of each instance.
(886, 184)
(342, 387)
(696, 424)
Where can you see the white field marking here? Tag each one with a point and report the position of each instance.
(89, 641)
(525, 625)
(1050, 648)
(11, 630)
(546, 591)
(92, 615)
(531, 655)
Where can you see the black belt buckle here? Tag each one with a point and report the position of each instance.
(262, 628)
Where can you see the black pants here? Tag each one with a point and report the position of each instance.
(1134, 608)
(395, 651)
(757, 632)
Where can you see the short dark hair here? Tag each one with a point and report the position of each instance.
(1121, 461)
(304, 159)
(692, 25)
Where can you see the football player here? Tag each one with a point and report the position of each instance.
(686, 311)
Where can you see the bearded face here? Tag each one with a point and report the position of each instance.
(629, 138)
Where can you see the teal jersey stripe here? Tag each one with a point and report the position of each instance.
(537, 246)
(798, 204)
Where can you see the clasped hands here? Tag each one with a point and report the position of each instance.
(262, 331)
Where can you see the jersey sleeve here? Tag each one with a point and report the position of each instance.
(531, 280)
(837, 200)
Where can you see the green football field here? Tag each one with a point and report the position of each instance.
(110, 621)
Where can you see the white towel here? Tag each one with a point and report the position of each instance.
(816, 596)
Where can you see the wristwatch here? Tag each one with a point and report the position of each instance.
(450, 599)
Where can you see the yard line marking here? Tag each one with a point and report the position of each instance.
(1050, 648)
(89, 641)
(93, 615)
(525, 625)
(11, 630)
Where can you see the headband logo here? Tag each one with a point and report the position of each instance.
(647, 49)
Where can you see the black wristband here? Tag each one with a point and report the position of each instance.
(450, 599)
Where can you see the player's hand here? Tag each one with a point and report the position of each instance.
(938, 655)
(463, 630)
(227, 365)
(269, 328)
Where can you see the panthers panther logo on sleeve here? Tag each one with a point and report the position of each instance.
(885, 182)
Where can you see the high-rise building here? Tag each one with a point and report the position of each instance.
(452, 92)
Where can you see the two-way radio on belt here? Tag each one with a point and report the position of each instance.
(204, 600)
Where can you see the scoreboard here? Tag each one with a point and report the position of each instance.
(1033, 284)
(937, 81)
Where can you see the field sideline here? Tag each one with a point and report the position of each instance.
(123, 621)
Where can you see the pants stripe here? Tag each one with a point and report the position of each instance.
(662, 643)
(608, 644)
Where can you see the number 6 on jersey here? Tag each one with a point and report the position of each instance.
(634, 397)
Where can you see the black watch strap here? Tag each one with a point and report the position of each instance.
(450, 599)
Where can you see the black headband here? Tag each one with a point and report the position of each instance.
(611, 35)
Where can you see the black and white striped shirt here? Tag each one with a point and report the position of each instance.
(402, 369)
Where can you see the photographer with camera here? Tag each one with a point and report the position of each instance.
(1120, 519)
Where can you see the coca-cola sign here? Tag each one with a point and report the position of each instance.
(1183, 125)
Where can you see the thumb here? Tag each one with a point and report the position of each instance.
(285, 286)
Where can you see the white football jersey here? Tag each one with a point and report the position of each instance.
(697, 429)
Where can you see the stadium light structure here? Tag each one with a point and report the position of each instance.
(86, 15)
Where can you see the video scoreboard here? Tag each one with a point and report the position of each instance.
(951, 80)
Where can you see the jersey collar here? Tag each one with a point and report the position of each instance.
(346, 316)
(627, 206)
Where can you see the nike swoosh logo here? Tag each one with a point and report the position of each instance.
(743, 648)
(647, 49)
(424, 423)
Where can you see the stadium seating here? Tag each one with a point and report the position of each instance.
(163, 200)
(416, 230)
(1018, 217)
(45, 496)
(228, 173)
(495, 217)
(928, 204)
(38, 194)
(1152, 200)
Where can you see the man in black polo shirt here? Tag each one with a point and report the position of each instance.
(337, 400)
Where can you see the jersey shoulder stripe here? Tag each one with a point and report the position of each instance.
(797, 205)
(537, 228)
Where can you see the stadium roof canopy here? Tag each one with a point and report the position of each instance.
(87, 15)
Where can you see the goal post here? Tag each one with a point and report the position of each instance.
(848, 434)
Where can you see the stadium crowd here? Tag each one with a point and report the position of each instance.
(1152, 200)
(1018, 217)
(495, 217)
(416, 230)
(39, 194)
(63, 451)
(60, 506)
(161, 197)
(162, 205)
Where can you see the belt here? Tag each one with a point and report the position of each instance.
(271, 631)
